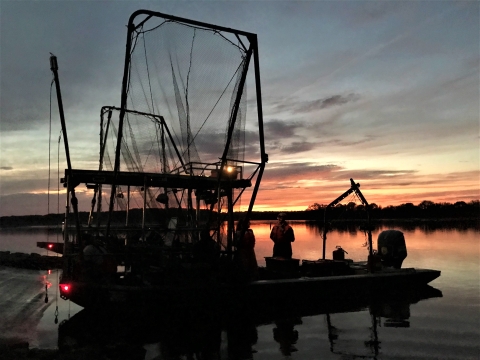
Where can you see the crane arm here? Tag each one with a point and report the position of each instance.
(354, 188)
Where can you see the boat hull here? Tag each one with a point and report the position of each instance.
(281, 292)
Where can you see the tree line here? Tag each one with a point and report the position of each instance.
(425, 210)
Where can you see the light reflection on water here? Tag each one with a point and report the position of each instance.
(446, 327)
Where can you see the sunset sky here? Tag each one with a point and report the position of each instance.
(384, 92)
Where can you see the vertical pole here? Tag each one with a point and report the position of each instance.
(324, 232)
(230, 227)
(144, 206)
(263, 155)
(231, 126)
(219, 215)
(103, 145)
(128, 205)
(197, 211)
(356, 187)
(67, 247)
(70, 187)
(65, 221)
(123, 107)
(190, 213)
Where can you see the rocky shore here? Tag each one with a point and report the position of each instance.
(31, 261)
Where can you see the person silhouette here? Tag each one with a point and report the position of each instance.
(282, 236)
(245, 244)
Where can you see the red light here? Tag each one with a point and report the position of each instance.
(50, 246)
(65, 287)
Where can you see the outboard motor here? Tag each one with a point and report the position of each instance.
(392, 248)
(339, 253)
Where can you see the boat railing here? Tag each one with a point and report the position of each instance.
(145, 263)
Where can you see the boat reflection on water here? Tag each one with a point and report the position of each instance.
(391, 313)
(218, 333)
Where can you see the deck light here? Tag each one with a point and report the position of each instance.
(228, 172)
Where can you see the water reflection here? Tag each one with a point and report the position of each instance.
(241, 337)
(425, 225)
(228, 333)
(286, 335)
(394, 313)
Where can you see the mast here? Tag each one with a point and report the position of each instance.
(70, 180)
(263, 154)
(223, 165)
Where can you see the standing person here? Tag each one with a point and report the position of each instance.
(245, 245)
(282, 236)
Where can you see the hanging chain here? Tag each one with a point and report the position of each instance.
(46, 290)
(56, 314)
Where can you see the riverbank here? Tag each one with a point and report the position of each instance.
(11, 350)
(31, 261)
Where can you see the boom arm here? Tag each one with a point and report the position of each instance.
(70, 187)
(356, 189)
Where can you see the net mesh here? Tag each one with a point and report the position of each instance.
(182, 88)
(190, 77)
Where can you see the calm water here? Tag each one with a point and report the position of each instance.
(446, 327)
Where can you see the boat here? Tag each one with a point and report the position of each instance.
(173, 171)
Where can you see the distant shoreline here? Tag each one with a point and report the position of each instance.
(53, 222)
(426, 211)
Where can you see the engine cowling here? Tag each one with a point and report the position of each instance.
(392, 248)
